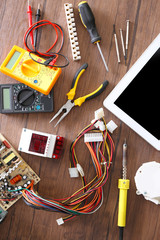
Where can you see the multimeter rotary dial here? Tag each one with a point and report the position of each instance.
(26, 97)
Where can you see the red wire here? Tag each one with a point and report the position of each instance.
(44, 23)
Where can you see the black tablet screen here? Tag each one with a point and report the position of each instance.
(141, 99)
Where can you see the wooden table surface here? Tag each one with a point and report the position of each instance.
(143, 217)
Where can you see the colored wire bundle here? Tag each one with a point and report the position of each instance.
(52, 56)
(88, 199)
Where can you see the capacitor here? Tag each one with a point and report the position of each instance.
(15, 179)
(28, 182)
(24, 177)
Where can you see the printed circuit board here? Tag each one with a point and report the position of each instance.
(15, 174)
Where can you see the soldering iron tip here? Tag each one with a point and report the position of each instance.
(39, 5)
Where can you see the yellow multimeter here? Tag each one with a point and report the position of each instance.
(21, 67)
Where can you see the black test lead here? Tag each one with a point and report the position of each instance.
(38, 14)
(116, 42)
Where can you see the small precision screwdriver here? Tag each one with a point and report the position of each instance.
(123, 185)
(88, 21)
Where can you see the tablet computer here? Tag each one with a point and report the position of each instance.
(136, 98)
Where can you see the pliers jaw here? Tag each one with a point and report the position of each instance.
(66, 108)
(78, 102)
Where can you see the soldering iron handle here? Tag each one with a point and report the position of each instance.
(98, 91)
(88, 21)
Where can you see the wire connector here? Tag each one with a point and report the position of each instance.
(111, 126)
(99, 114)
(72, 31)
(93, 137)
(100, 125)
(60, 221)
(73, 172)
(80, 170)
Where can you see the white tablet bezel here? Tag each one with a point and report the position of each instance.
(121, 86)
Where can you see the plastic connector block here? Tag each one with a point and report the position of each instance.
(73, 172)
(93, 137)
(100, 125)
(72, 31)
(80, 170)
(99, 114)
(60, 221)
(111, 126)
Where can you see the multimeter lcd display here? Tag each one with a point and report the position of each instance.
(38, 143)
(6, 98)
(140, 100)
(13, 59)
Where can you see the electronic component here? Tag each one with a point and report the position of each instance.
(41, 144)
(15, 174)
(72, 31)
(19, 98)
(147, 180)
(15, 179)
(9, 157)
(21, 67)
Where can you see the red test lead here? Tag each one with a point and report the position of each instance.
(30, 21)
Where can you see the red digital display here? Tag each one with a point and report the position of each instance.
(38, 143)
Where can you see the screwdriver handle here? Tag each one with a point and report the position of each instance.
(88, 21)
(123, 185)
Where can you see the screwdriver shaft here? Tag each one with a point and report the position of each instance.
(100, 51)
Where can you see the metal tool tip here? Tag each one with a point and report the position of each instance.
(125, 143)
(39, 5)
(114, 28)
